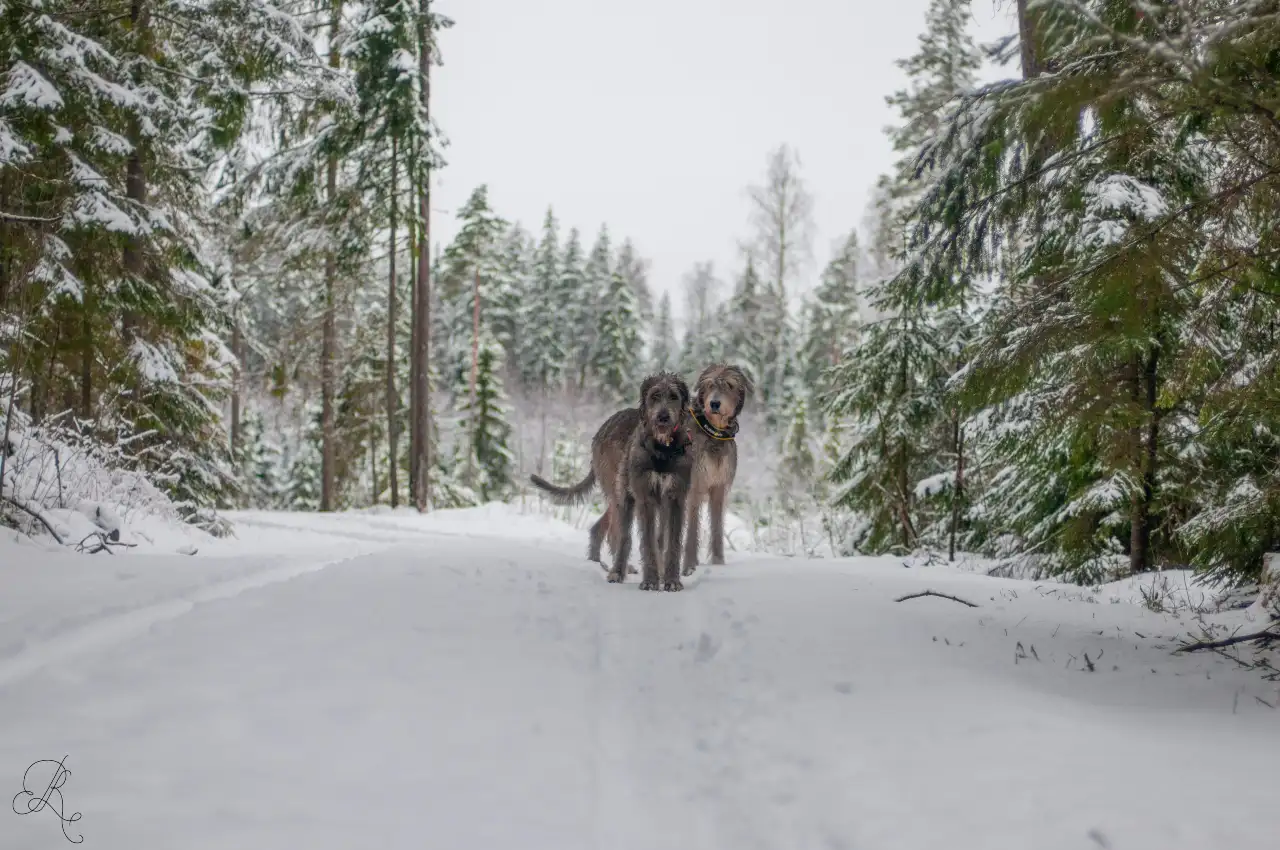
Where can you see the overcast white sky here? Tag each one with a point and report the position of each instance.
(654, 116)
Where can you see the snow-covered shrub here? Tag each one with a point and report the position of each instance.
(61, 479)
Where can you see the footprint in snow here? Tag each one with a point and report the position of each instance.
(843, 687)
(707, 648)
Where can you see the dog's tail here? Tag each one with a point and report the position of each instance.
(575, 495)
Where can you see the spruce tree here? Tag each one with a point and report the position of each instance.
(577, 312)
(590, 304)
(618, 342)
(664, 337)
(512, 286)
(746, 326)
(891, 386)
(635, 272)
(469, 277)
(1101, 347)
(889, 394)
(702, 342)
(543, 349)
(797, 466)
(484, 431)
(833, 317)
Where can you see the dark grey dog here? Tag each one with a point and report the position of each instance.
(642, 461)
(720, 393)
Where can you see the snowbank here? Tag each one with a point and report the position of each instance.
(59, 487)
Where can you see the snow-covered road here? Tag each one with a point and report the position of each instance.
(406, 683)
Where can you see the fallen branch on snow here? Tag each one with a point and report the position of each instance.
(937, 594)
(104, 542)
(1265, 636)
(34, 513)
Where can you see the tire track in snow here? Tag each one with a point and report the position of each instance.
(643, 685)
(116, 628)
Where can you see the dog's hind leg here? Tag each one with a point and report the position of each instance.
(596, 539)
(623, 536)
(716, 498)
(614, 531)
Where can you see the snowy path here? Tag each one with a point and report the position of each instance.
(409, 684)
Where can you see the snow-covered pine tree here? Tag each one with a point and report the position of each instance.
(745, 326)
(615, 362)
(259, 466)
(635, 271)
(302, 493)
(543, 351)
(832, 317)
(510, 289)
(469, 277)
(1099, 341)
(778, 382)
(475, 248)
(703, 339)
(588, 307)
(797, 466)
(110, 129)
(888, 392)
(943, 68)
(484, 430)
(891, 385)
(577, 310)
(664, 337)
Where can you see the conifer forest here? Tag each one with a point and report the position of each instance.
(1050, 342)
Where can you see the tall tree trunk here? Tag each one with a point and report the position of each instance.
(422, 316)
(957, 491)
(1028, 20)
(135, 179)
(393, 401)
(475, 366)
(328, 341)
(86, 358)
(1140, 514)
(237, 381)
(411, 228)
(904, 497)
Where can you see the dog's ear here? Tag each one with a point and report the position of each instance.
(745, 386)
(684, 393)
(646, 385)
(700, 386)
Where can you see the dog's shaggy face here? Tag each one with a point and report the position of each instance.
(663, 399)
(721, 393)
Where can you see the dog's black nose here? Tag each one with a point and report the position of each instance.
(715, 405)
(664, 417)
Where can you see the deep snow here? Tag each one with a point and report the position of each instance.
(468, 680)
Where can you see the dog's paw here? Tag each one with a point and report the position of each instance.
(717, 559)
(633, 571)
(615, 577)
(673, 585)
(687, 571)
(648, 584)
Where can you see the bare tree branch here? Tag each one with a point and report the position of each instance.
(937, 594)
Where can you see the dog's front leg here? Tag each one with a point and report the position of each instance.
(674, 510)
(716, 498)
(692, 503)
(649, 564)
(625, 513)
